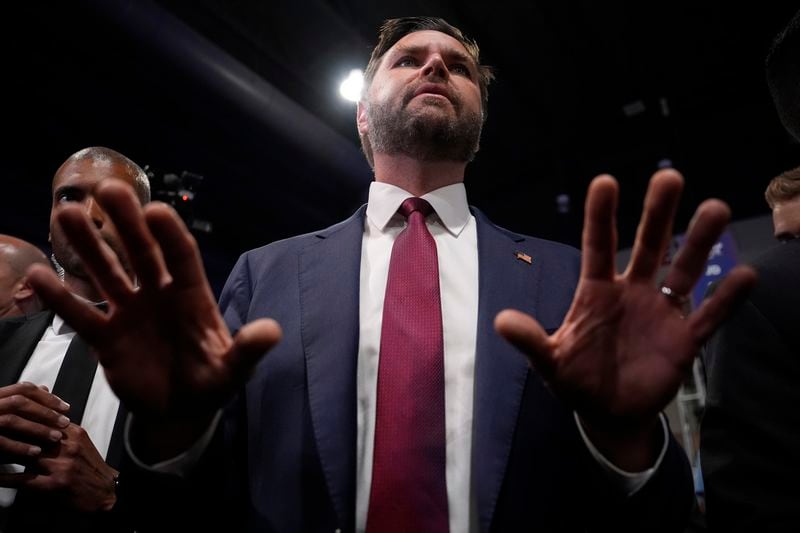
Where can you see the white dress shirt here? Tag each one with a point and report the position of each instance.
(453, 229)
(42, 369)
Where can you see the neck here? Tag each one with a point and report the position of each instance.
(415, 176)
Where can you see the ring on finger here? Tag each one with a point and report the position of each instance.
(673, 295)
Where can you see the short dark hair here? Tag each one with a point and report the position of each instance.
(784, 187)
(783, 75)
(392, 30)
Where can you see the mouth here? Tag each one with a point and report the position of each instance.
(436, 89)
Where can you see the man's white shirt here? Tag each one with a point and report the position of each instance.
(42, 369)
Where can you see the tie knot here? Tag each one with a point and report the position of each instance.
(415, 204)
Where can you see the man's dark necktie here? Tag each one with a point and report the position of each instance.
(409, 490)
(75, 377)
(74, 380)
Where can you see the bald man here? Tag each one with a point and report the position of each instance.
(17, 298)
(60, 436)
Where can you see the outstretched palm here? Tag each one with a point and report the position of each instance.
(165, 348)
(624, 346)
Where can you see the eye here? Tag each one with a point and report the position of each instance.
(68, 195)
(460, 69)
(406, 61)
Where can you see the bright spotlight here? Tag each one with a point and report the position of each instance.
(350, 89)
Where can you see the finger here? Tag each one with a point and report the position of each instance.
(84, 318)
(250, 345)
(19, 479)
(30, 414)
(97, 257)
(37, 393)
(655, 228)
(13, 450)
(704, 230)
(39, 481)
(119, 201)
(21, 429)
(180, 249)
(524, 332)
(729, 294)
(600, 229)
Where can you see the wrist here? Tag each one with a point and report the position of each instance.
(156, 440)
(629, 447)
(112, 493)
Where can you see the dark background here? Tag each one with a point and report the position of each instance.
(245, 94)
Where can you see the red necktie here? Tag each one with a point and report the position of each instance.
(409, 490)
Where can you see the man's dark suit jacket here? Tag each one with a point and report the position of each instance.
(750, 441)
(286, 455)
(33, 511)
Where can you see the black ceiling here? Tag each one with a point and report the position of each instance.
(244, 93)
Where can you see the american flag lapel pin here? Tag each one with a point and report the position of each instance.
(524, 257)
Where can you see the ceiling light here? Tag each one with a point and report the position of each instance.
(350, 88)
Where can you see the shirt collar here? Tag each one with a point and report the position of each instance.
(449, 203)
(60, 327)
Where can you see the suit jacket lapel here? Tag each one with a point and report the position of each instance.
(329, 273)
(500, 370)
(18, 339)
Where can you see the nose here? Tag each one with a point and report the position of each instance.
(435, 67)
(95, 212)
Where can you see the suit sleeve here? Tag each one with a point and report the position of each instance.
(751, 427)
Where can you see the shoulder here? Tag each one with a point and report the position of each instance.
(552, 249)
(286, 249)
(22, 327)
(13, 323)
(276, 264)
(782, 257)
(777, 272)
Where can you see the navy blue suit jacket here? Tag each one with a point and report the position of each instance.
(288, 443)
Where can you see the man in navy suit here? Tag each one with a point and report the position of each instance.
(570, 439)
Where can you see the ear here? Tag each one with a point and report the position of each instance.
(361, 118)
(23, 291)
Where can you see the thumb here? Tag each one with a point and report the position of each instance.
(250, 345)
(524, 332)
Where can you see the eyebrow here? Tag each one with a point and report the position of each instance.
(450, 53)
(67, 189)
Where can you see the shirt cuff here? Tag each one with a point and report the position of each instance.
(182, 463)
(629, 482)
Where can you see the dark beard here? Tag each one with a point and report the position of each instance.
(421, 136)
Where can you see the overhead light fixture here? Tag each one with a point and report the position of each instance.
(350, 88)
